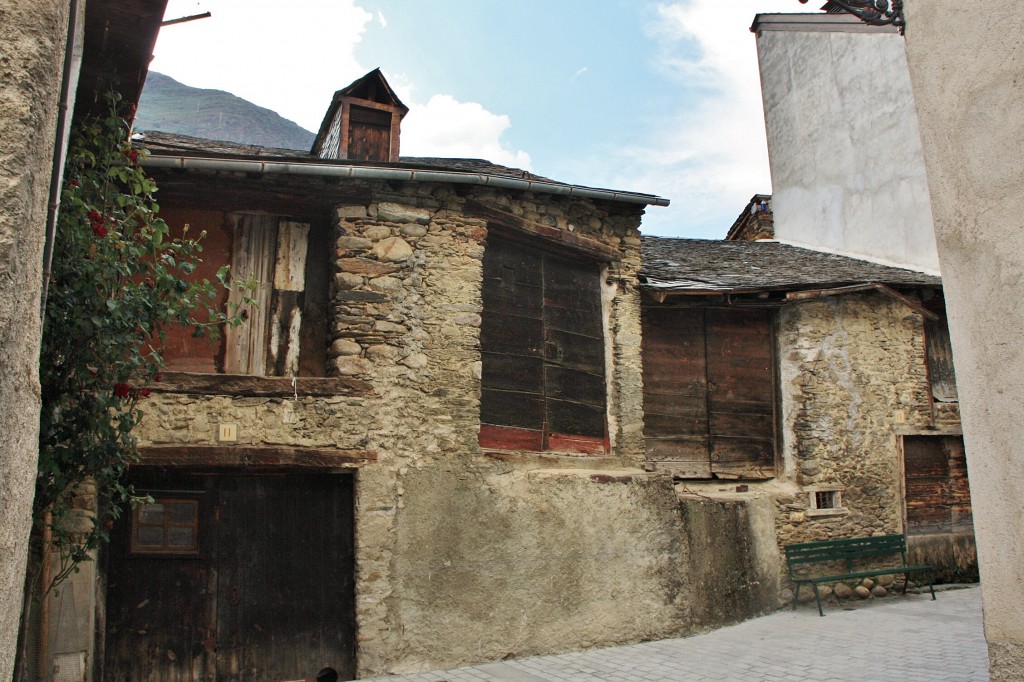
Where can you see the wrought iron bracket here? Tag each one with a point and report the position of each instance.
(874, 12)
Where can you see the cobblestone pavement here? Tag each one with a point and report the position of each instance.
(905, 639)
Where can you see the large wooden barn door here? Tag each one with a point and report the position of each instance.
(709, 392)
(263, 592)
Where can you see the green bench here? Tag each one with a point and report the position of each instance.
(801, 557)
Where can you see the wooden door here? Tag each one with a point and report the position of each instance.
(266, 594)
(709, 386)
(542, 343)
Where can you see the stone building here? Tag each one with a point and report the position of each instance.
(821, 382)
(425, 446)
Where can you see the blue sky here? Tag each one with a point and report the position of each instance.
(655, 97)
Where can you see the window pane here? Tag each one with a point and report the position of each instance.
(149, 536)
(181, 536)
(151, 513)
(181, 512)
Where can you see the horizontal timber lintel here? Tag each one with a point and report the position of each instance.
(246, 456)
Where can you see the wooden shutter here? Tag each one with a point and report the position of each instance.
(709, 392)
(255, 241)
(287, 299)
(938, 495)
(675, 391)
(574, 386)
(369, 134)
(542, 347)
(741, 419)
(512, 344)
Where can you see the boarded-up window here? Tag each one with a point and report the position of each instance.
(709, 392)
(284, 331)
(938, 495)
(542, 345)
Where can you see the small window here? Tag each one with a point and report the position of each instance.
(166, 526)
(826, 502)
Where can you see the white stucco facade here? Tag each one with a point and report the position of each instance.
(848, 173)
(966, 62)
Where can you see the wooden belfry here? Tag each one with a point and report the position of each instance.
(363, 122)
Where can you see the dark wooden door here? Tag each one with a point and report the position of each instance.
(265, 595)
(542, 343)
(709, 408)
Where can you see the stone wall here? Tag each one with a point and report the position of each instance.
(464, 555)
(852, 374)
(33, 34)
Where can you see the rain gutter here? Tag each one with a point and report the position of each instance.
(400, 174)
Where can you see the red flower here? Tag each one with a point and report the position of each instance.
(122, 391)
(158, 377)
(133, 156)
(73, 183)
(95, 216)
(144, 393)
(99, 230)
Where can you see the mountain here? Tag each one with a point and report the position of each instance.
(172, 107)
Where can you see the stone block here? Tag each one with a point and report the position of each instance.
(347, 280)
(392, 249)
(414, 231)
(344, 347)
(351, 212)
(398, 213)
(354, 243)
(352, 366)
(377, 232)
(365, 266)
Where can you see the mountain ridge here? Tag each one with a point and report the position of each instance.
(173, 107)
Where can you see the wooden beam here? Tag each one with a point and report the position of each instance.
(265, 457)
(258, 386)
(563, 239)
(870, 286)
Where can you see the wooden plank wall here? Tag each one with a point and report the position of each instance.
(542, 341)
(937, 491)
(709, 386)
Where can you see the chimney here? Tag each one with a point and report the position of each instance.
(363, 122)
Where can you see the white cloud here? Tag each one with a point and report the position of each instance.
(381, 20)
(579, 73)
(446, 127)
(710, 156)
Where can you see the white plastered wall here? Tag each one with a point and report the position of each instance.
(847, 169)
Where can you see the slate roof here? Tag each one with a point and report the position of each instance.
(161, 143)
(705, 265)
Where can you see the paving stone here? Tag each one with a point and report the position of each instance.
(899, 639)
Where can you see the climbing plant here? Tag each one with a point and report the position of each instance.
(118, 280)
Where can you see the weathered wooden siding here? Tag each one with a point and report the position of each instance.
(940, 360)
(543, 352)
(269, 596)
(709, 391)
